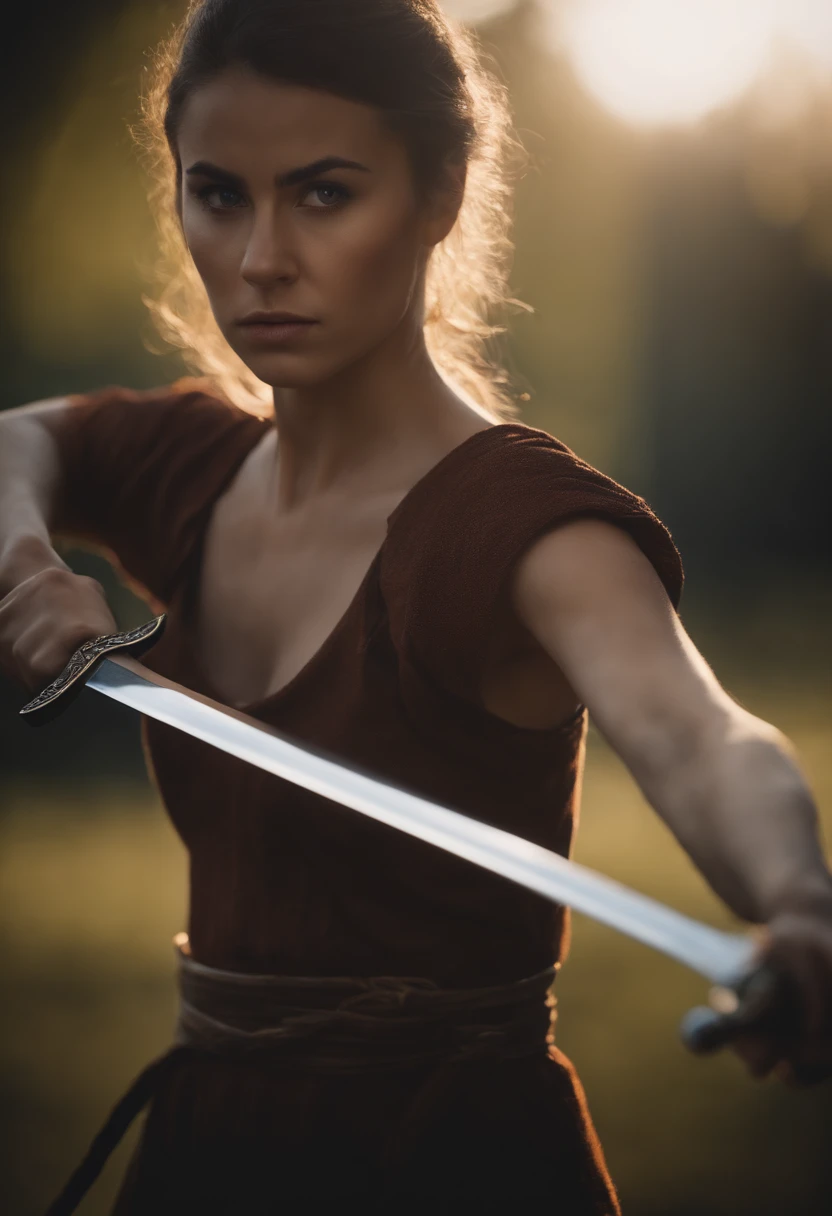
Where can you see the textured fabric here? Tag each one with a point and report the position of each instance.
(134, 487)
(343, 1024)
(286, 882)
(330, 1026)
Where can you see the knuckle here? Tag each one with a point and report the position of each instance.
(90, 584)
(51, 576)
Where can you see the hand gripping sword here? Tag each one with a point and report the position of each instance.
(747, 994)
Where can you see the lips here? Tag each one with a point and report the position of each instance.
(275, 318)
(273, 333)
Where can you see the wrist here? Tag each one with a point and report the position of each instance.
(811, 893)
(24, 556)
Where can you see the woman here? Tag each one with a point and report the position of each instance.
(383, 566)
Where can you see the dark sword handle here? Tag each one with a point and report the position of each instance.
(58, 694)
(763, 1000)
(766, 1001)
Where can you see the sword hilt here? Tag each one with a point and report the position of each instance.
(61, 691)
(764, 1001)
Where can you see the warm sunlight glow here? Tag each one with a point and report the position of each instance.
(809, 23)
(471, 12)
(666, 61)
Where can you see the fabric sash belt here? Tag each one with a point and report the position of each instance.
(334, 1025)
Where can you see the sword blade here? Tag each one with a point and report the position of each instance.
(718, 956)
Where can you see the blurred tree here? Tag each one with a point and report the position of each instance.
(737, 378)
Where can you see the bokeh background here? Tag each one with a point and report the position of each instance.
(674, 237)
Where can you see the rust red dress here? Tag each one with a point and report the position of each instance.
(288, 883)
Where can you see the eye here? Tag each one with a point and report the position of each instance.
(205, 192)
(330, 195)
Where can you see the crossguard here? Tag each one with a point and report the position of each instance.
(57, 695)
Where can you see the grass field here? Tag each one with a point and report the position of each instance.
(93, 888)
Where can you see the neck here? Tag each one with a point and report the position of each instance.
(366, 425)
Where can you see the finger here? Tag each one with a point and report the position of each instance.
(810, 1060)
(760, 1053)
(811, 967)
(799, 1076)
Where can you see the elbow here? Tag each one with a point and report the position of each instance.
(690, 759)
(668, 743)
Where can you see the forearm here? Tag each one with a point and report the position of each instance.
(29, 479)
(740, 806)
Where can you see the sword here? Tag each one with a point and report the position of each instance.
(746, 994)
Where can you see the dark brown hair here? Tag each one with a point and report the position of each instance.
(427, 77)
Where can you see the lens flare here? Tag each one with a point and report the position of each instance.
(655, 62)
(809, 23)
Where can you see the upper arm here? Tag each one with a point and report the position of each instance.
(593, 601)
(64, 449)
(133, 469)
(32, 472)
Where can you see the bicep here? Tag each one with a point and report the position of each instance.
(32, 459)
(594, 602)
(71, 455)
(101, 444)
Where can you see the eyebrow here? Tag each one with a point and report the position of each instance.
(204, 168)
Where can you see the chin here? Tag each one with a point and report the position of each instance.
(291, 369)
(288, 371)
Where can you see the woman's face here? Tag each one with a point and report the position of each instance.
(273, 223)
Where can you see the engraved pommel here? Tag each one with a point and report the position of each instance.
(54, 699)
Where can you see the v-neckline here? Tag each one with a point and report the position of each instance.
(186, 592)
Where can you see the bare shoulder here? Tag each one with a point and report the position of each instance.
(522, 682)
(578, 576)
(46, 410)
(29, 438)
(577, 560)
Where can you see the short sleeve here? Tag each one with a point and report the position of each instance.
(455, 539)
(141, 467)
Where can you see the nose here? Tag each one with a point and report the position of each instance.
(269, 254)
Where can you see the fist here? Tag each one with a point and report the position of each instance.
(44, 619)
(799, 945)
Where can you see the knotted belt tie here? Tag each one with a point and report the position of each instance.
(334, 1025)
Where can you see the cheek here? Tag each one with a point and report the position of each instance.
(215, 254)
(371, 264)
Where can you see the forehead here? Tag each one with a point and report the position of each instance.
(242, 117)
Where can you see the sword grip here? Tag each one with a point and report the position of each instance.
(61, 691)
(764, 1001)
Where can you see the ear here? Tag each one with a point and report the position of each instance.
(445, 202)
